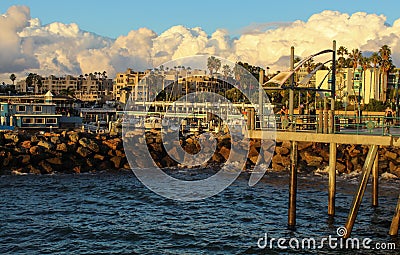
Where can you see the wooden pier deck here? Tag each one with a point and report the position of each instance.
(370, 165)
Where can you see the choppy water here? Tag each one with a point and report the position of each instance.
(116, 214)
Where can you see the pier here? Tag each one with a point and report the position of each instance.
(370, 165)
(330, 127)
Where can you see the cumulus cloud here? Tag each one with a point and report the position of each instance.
(28, 46)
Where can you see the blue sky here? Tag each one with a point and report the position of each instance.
(118, 17)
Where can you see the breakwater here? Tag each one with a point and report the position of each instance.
(79, 152)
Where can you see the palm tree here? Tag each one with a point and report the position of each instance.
(13, 77)
(341, 52)
(354, 57)
(226, 70)
(213, 64)
(385, 64)
(375, 60)
(341, 63)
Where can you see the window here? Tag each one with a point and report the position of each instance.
(21, 108)
(37, 108)
(51, 121)
(39, 121)
(28, 120)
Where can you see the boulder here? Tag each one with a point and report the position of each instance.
(120, 153)
(33, 170)
(278, 167)
(55, 139)
(353, 151)
(77, 169)
(11, 136)
(24, 159)
(165, 162)
(389, 176)
(286, 144)
(282, 150)
(35, 150)
(341, 168)
(62, 147)
(84, 152)
(99, 157)
(225, 152)
(88, 143)
(45, 166)
(217, 158)
(396, 172)
(116, 160)
(46, 145)
(312, 160)
(282, 160)
(26, 144)
(303, 145)
(54, 161)
(34, 139)
(390, 155)
(113, 143)
(74, 137)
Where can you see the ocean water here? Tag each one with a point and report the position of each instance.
(113, 213)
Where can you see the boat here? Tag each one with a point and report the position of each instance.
(152, 122)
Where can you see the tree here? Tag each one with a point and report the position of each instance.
(213, 64)
(341, 52)
(385, 64)
(226, 70)
(12, 78)
(354, 57)
(33, 80)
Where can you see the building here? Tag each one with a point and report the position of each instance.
(175, 83)
(89, 88)
(125, 83)
(30, 115)
(93, 89)
(353, 85)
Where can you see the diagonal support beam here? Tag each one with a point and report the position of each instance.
(369, 161)
(394, 227)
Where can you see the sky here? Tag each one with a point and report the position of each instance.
(74, 37)
(118, 17)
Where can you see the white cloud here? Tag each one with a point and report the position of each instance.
(28, 46)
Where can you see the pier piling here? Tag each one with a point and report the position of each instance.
(361, 189)
(293, 187)
(375, 180)
(332, 179)
(394, 227)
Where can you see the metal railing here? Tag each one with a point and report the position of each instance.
(370, 124)
(342, 124)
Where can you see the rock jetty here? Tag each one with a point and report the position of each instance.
(79, 152)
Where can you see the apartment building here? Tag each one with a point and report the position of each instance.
(364, 84)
